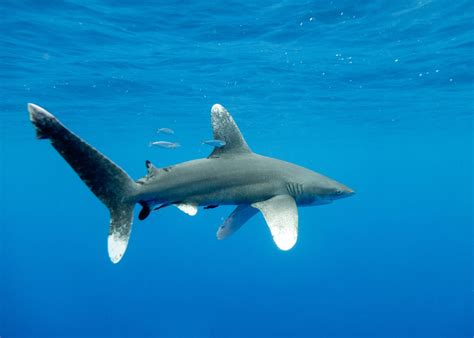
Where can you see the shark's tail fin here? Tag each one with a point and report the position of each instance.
(104, 178)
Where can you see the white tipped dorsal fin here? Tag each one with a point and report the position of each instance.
(188, 208)
(281, 214)
(236, 219)
(225, 129)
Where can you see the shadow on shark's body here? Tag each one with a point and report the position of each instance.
(231, 175)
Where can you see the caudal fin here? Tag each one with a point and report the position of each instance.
(105, 179)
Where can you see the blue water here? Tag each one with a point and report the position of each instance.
(378, 95)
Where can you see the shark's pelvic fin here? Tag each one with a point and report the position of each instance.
(236, 219)
(188, 208)
(281, 214)
(225, 129)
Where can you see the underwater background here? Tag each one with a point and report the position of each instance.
(375, 94)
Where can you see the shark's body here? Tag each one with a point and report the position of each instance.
(231, 175)
(241, 179)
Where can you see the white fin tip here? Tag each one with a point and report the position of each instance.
(117, 247)
(217, 108)
(35, 110)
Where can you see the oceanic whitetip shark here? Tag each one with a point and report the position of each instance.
(230, 175)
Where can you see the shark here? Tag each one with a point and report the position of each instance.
(231, 175)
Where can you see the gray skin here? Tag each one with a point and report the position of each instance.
(232, 174)
(240, 179)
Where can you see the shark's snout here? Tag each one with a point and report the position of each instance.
(349, 192)
(342, 191)
(346, 190)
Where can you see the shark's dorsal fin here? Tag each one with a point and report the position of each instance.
(151, 169)
(151, 172)
(225, 129)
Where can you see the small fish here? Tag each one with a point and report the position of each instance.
(165, 144)
(214, 143)
(166, 131)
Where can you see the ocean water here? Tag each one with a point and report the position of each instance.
(378, 95)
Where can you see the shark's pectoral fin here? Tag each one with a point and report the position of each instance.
(236, 219)
(281, 214)
(188, 208)
(225, 129)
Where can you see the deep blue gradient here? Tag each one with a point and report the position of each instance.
(377, 95)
